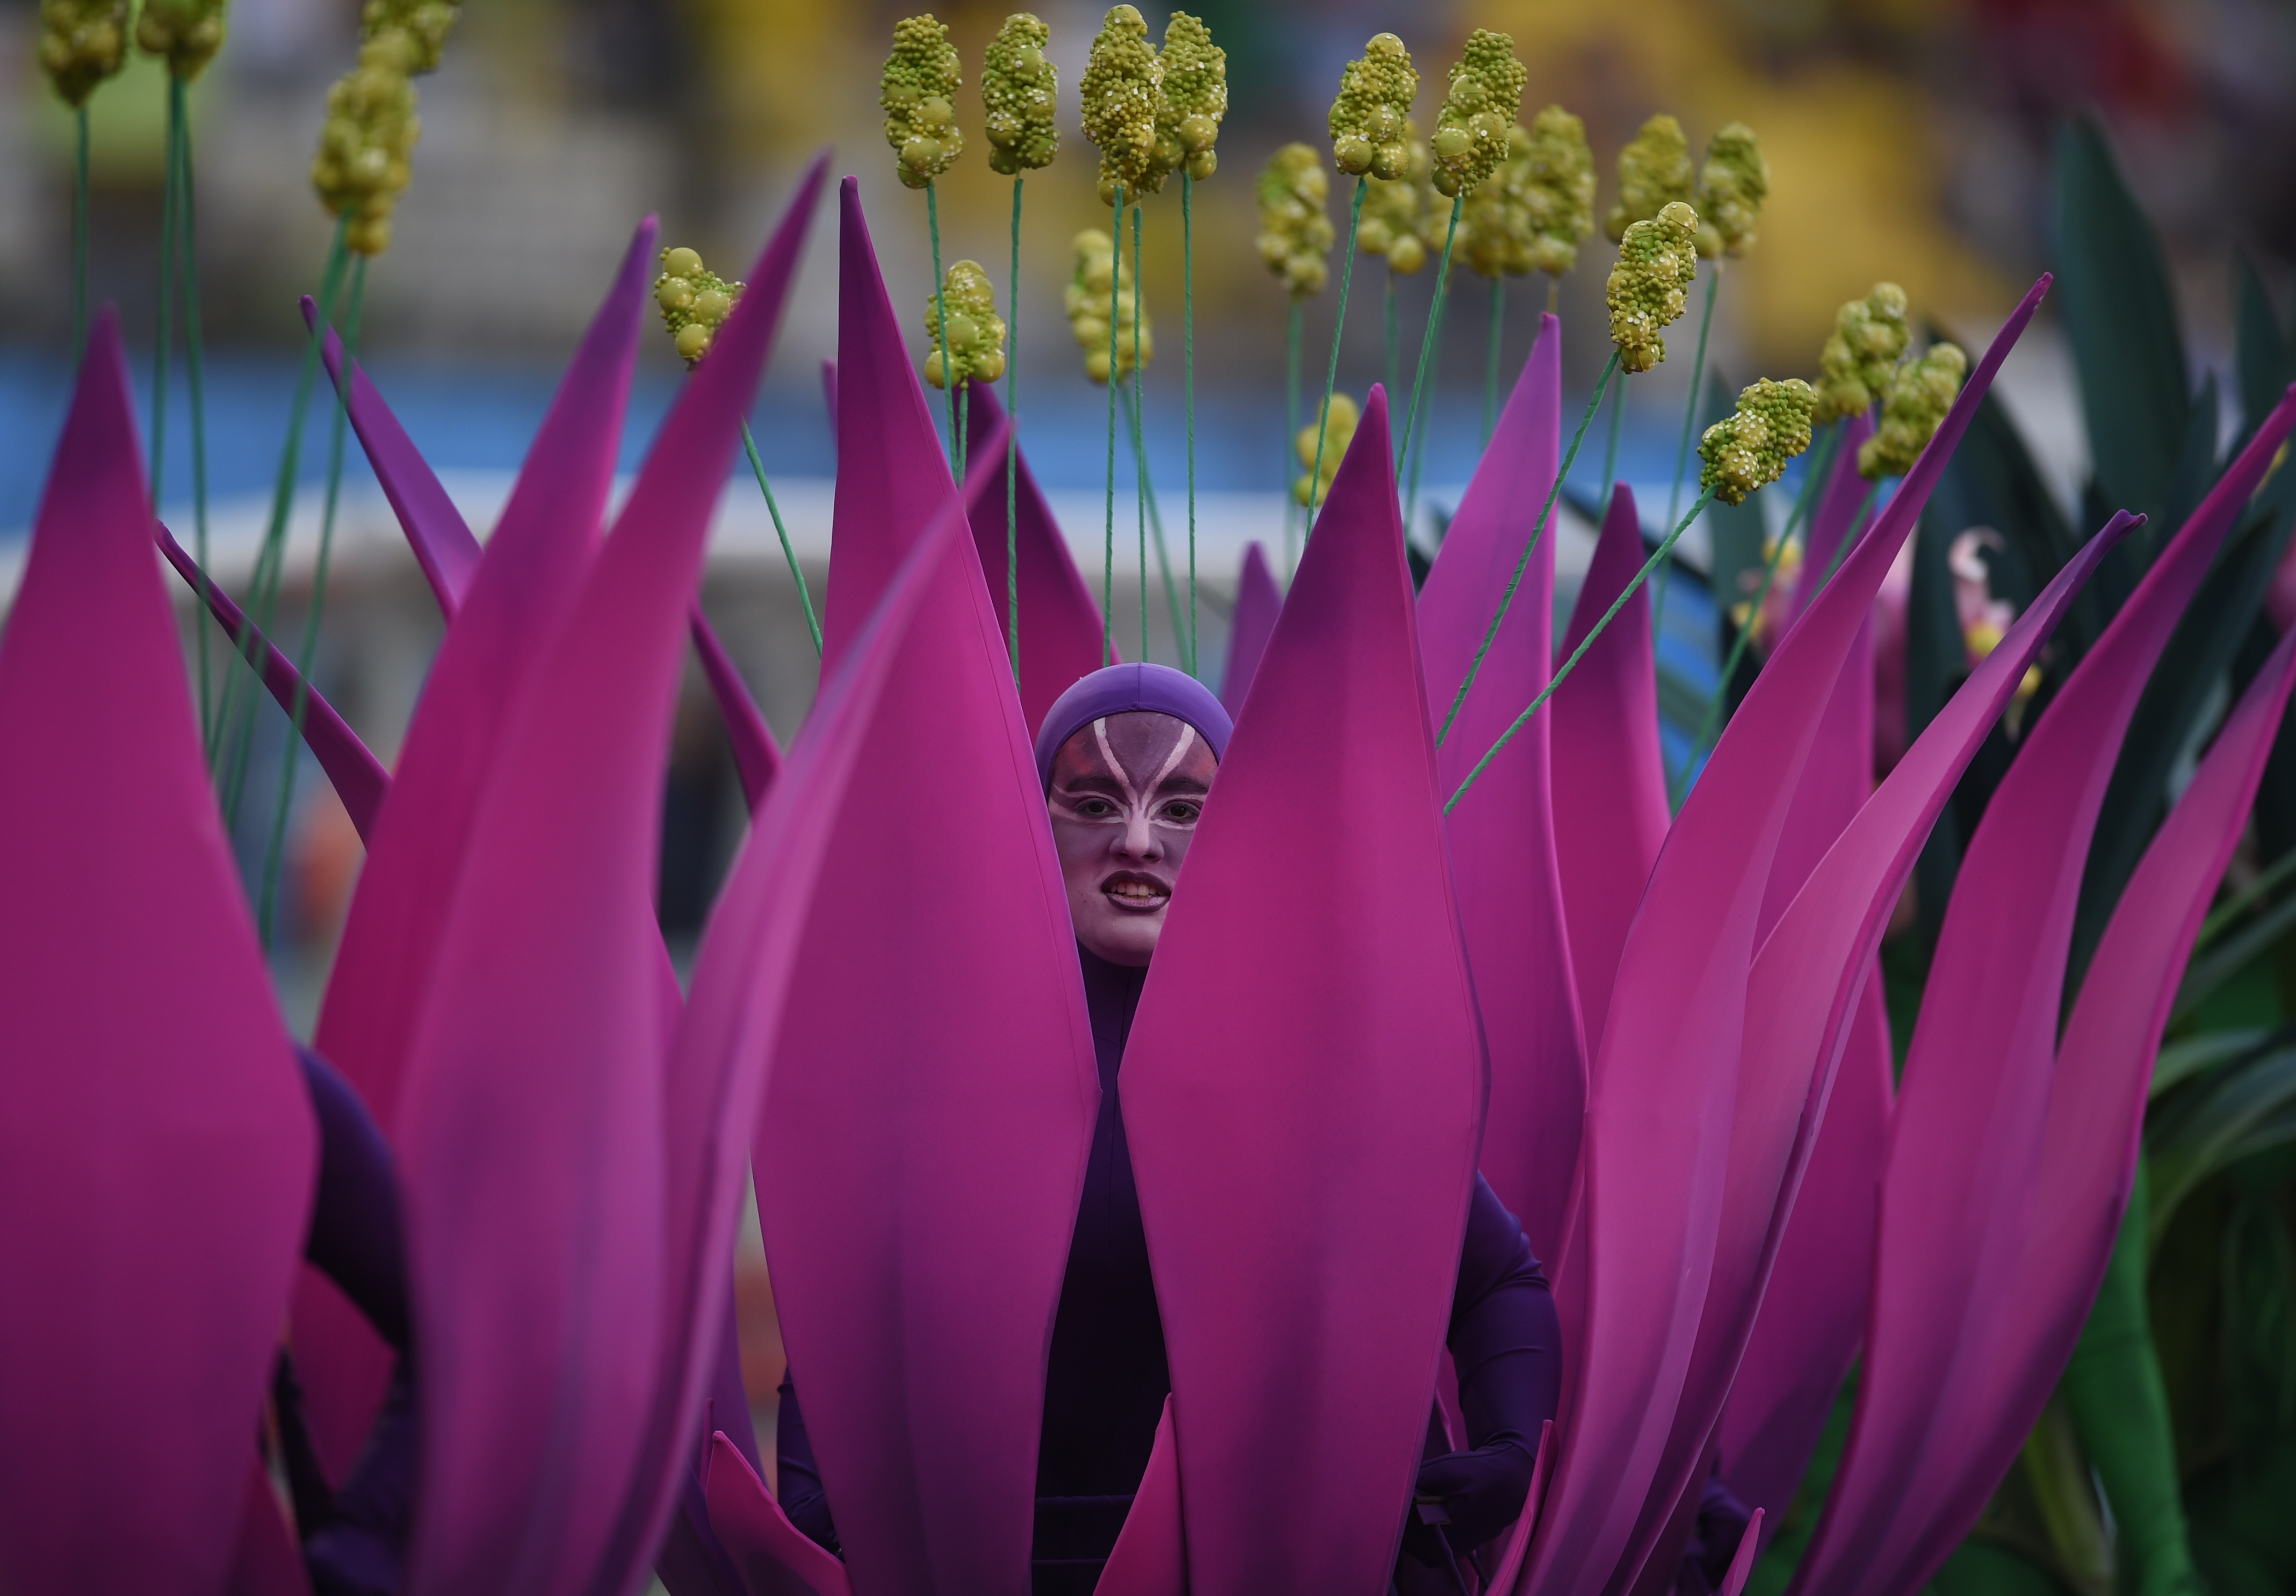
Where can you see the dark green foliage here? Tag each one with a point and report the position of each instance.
(2265, 364)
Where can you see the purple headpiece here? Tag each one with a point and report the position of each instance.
(1119, 689)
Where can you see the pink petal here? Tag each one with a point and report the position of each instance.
(268, 1560)
(1741, 1563)
(1844, 494)
(1509, 1567)
(1257, 602)
(1610, 812)
(156, 1155)
(1151, 1556)
(773, 1556)
(1502, 835)
(1059, 621)
(756, 758)
(1304, 1084)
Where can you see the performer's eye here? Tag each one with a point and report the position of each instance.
(1093, 808)
(1183, 811)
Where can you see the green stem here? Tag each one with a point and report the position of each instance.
(195, 371)
(940, 325)
(803, 594)
(1332, 373)
(79, 232)
(1108, 551)
(1012, 446)
(1188, 386)
(1522, 562)
(1426, 351)
(1611, 448)
(1394, 349)
(1156, 529)
(964, 426)
(267, 902)
(1139, 451)
(1580, 652)
(1291, 424)
(1418, 424)
(1492, 358)
(164, 337)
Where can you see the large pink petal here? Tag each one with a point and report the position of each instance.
(1662, 1096)
(1303, 1087)
(1966, 1138)
(1060, 619)
(773, 1558)
(1151, 1555)
(157, 1148)
(925, 1129)
(1611, 813)
(1502, 836)
(1844, 494)
(540, 1213)
(1257, 602)
(1742, 1561)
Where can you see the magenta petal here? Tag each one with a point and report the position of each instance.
(356, 775)
(1151, 1555)
(157, 1150)
(1257, 602)
(1741, 1562)
(1844, 494)
(1502, 835)
(771, 1556)
(1967, 1136)
(1509, 1567)
(1303, 1088)
(1059, 621)
(756, 758)
(892, 477)
(1610, 812)
(268, 1560)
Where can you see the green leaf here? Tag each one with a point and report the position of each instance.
(2180, 1061)
(1936, 661)
(2241, 1112)
(2233, 954)
(2264, 358)
(2113, 292)
(2197, 466)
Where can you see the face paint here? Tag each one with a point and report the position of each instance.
(1126, 796)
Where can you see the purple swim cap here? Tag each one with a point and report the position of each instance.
(1122, 689)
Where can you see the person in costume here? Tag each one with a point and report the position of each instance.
(1128, 757)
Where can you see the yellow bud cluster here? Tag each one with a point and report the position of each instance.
(1868, 338)
(1495, 236)
(1295, 230)
(1373, 108)
(1191, 98)
(1120, 90)
(1341, 432)
(1732, 185)
(1089, 291)
(975, 339)
(1648, 287)
(367, 143)
(1749, 448)
(918, 96)
(1554, 176)
(1392, 210)
(1019, 95)
(186, 34)
(82, 42)
(1486, 96)
(694, 302)
(1653, 173)
(425, 22)
(1919, 394)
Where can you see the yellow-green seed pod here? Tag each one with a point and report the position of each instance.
(1119, 90)
(1088, 299)
(1919, 394)
(1749, 448)
(975, 340)
(1868, 339)
(1649, 287)
(1344, 418)
(1020, 94)
(425, 22)
(1556, 180)
(1732, 185)
(1653, 173)
(1295, 228)
(694, 302)
(1373, 108)
(1472, 128)
(82, 42)
(1392, 211)
(366, 146)
(186, 34)
(918, 96)
(1191, 98)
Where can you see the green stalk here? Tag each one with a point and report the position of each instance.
(1491, 359)
(1394, 351)
(940, 324)
(79, 232)
(1290, 422)
(1332, 374)
(963, 422)
(163, 336)
(1188, 386)
(1682, 449)
(1611, 448)
(267, 901)
(195, 371)
(1139, 452)
(803, 594)
(1156, 530)
(1417, 425)
(1580, 652)
(1426, 350)
(1012, 446)
(1107, 553)
(1522, 562)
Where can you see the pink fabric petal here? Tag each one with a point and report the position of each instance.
(356, 775)
(1661, 1099)
(1303, 1087)
(1502, 836)
(1967, 1137)
(540, 1214)
(924, 1132)
(1257, 602)
(891, 476)
(1151, 1555)
(1610, 812)
(1060, 619)
(157, 1151)
(773, 1556)
(1844, 496)
(757, 757)
(1741, 1563)
(268, 1560)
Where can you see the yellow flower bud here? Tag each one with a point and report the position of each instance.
(1486, 95)
(1648, 288)
(1732, 185)
(1921, 392)
(1087, 304)
(1368, 118)
(1019, 95)
(917, 95)
(1120, 87)
(1295, 231)
(694, 302)
(1749, 448)
(82, 42)
(1653, 173)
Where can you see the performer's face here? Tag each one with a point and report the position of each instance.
(1127, 792)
